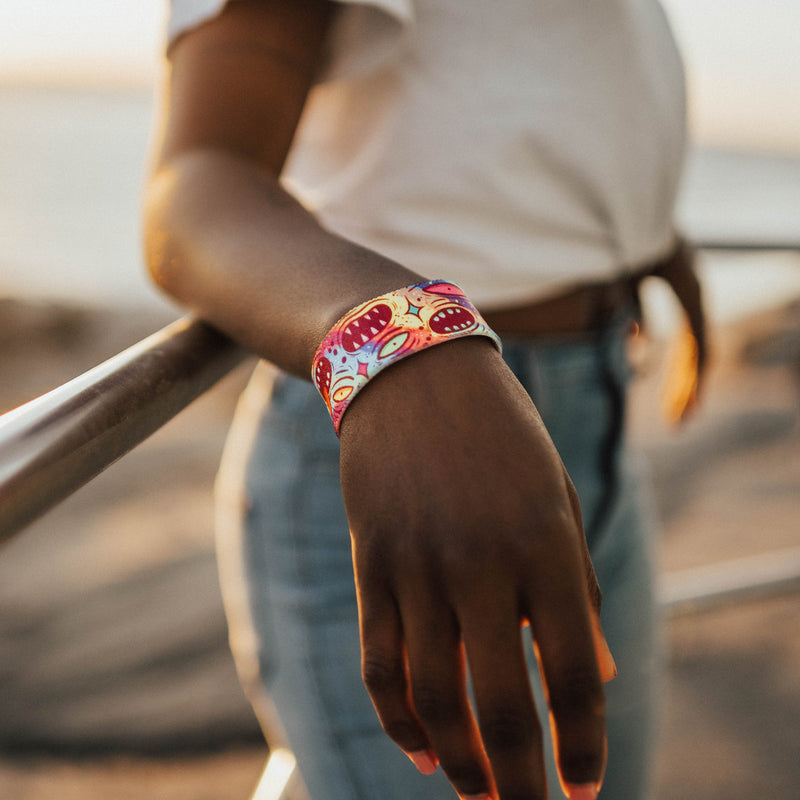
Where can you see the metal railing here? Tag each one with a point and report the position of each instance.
(53, 445)
(743, 246)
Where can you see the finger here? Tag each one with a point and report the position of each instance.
(681, 274)
(566, 650)
(683, 378)
(438, 680)
(509, 724)
(605, 660)
(383, 671)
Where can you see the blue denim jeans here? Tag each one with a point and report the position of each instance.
(287, 577)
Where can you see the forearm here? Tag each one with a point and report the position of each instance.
(230, 244)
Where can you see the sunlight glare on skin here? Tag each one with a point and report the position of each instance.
(682, 385)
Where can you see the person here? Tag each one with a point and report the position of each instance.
(317, 157)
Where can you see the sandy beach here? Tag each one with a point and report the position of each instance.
(116, 678)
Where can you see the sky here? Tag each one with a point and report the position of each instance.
(743, 57)
(77, 41)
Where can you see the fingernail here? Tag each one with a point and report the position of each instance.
(424, 761)
(582, 791)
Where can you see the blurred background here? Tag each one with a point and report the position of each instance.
(115, 679)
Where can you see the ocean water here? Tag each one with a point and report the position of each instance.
(71, 173)
(71, 170)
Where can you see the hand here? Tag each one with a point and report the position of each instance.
(685, 373)
(465, 526)
(689, 357)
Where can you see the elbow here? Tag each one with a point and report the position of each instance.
(162, 250)
(161, 258)
(158, 257)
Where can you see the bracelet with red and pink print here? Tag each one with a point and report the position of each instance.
(381, 331)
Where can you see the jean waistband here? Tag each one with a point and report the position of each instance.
(585, 309)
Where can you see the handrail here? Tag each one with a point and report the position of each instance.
(694, 589)
(53, 445)
(744, 246)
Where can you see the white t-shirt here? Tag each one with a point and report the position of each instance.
(515, 147)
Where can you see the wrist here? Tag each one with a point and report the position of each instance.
(437, 385)
(386, 330)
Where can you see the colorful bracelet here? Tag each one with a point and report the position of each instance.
(381, 331)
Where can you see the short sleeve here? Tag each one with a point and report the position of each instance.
(366, 33)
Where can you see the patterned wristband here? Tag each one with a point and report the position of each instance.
(381, 331)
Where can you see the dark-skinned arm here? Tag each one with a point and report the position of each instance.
(454, 549)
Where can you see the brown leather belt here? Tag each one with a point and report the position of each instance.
(583, 310)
